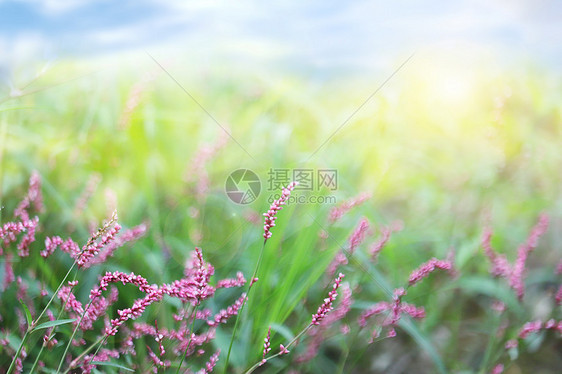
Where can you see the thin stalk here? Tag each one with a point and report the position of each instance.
(99, 347)
(37, 358)
(251, 282)
(489, 347)
(73, 334)
(34, 323)
(84, 353)
(259, 363)
(54, 294)
(50, 337)
(194, 315)
(13, 364)
(343, 360)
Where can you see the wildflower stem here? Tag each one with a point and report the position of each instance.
(348, 349)
(13, 364)
(101, 343)
(54, 294)
(490, 347)
(84, 353)
(251, 282)
(257, 364)
(34, 323)
(45, 343)
(73, 333)
(194, 315)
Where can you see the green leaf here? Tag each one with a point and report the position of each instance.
(425, 343)
(54, 323)
(99, 363)
(27, 314)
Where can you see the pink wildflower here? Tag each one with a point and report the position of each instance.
(51, 243)
(197, 171)
(339, 259)
(498, 306)
(49, 341)
(71, 304)
(529, 328)
(358, 235)
(378, 308)
(103, 355)
(498, 369)
(229, 283)
(318, 334)
(9, 275)
(500, 265)
(277, 205)
(87, 193)
(225, 314)
(395, 306)
(136, 310)
(426, 268)
(90, 250)
(338, 211)
(210, 365)
(378, 245)
(266, 346)
(558, 296)
(98, 308)
(9, 231)
(391, 333)
(157, 361)
(342, 309)
(107, 251)
(327, 305)
(511, 344)
(119, 277)
(134, 99)
(412, 310)
(33, 196)
(283, 350)
(28, 238)
(158, 339)
(517, 274)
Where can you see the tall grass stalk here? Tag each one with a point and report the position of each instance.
(34, 323)
(184, 355)
(295, 339)
(250, 284)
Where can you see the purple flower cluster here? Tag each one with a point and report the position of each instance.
(98, 241)
(427, 268)
(266, 346)
(500, 265)
(224, 315)
(339, 211)
(358, 235)
(319, 334)
(277, 205)
(355, 239)
(327, 304)
(376, 248)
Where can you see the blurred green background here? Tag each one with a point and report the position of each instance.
(443, 162)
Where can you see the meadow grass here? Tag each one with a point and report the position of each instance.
(446, 172)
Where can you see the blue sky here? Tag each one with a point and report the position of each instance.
(316, 34)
